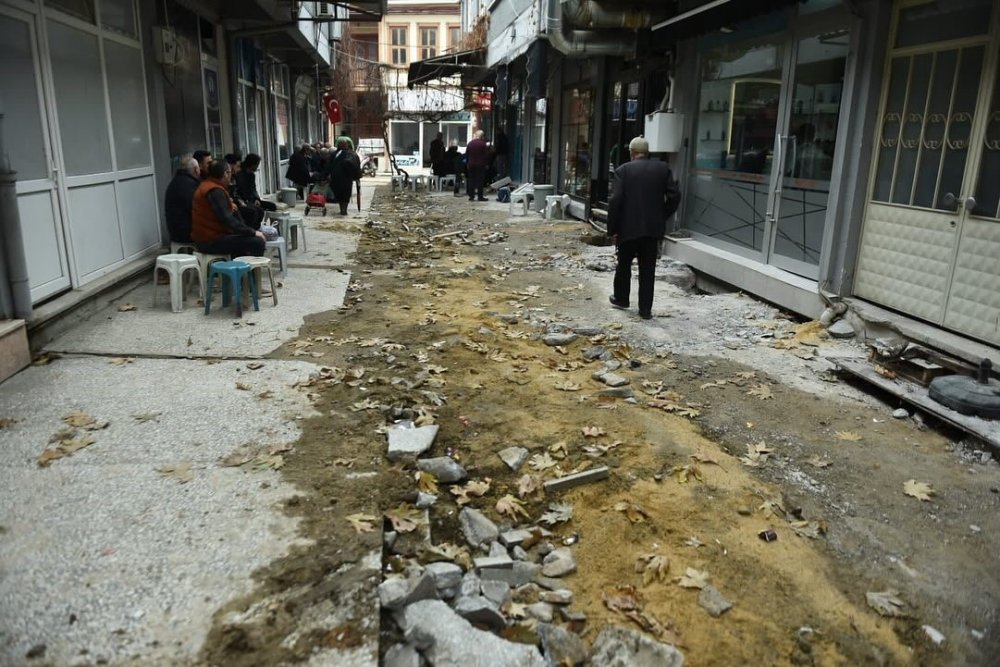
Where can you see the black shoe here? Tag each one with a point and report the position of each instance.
(616, 303)
(646, 316)
(471, 198)
(482, 199)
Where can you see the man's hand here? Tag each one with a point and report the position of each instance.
(259, 234)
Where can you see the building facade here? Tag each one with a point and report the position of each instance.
(848, 147)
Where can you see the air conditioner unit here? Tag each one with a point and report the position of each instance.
(325, 10)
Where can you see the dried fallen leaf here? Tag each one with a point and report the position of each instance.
(243, 386)
(592, 431)
(125, 307)
(405, 518)
(811, 529)
(622, 598)
(426, 482)
(849, 436)
(541, 461)
(67, 446)
(818, 462)
(181, 472)
(144, 417)
(121, 361)
(683, 473)
(887, 603)
(79, 419)
(7, 421)
(715, 384)
(510, 506)
(746, 375)
(557, 513)
(362, 523)
(761, 391)
(756, 454)
(701, 457)
(653, 568)
(634, 513)
(567, 386)
(273, 461)
(527, 485)
(919, 490)
(693, 578)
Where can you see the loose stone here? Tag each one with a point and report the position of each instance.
(559, 563)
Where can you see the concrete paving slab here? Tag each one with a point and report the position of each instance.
(148, 331)
(100, 552)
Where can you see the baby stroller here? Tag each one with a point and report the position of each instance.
(317, 196)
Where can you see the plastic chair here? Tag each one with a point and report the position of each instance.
(448, 180)
(521, 197)
(418, 181)
(398, 181)
(257, 267)
(555, 206)
(204, 260)
(293, 225)
(182, 248)
(176, 266)
(236, 273)
(278, 245)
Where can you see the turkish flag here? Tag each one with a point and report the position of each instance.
(332, 109)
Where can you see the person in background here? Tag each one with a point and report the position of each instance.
(204, 159)
(476, 157)
(437, 155)
(251, 215)
(315, 158)
(298, 168)
(246, 184)
(216, 226)
(454, 163)
(645, 195)
(345, 169)
(178, 199)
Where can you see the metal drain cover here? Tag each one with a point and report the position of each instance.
(979, 396)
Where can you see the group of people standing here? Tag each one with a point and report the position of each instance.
(474, 166)
(215, 205)
(334, 175)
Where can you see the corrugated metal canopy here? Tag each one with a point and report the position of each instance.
(467, 64)
(713, 15)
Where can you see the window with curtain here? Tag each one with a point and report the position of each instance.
(428, 43)
(397, 37)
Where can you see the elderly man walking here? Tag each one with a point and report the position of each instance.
(216, 226)
(477, 157)
(645, 196)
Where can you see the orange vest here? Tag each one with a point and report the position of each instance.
(205, 225)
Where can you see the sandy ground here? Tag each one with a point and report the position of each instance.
(738, 425)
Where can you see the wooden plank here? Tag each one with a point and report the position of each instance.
(986, 430)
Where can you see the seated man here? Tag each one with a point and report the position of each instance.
(250, 214)
(204, 159)
(246, 184)
(178, 200)
(216, 226)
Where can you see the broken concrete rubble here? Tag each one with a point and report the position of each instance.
(576, 479)
(713, 602)
(480, 610)
(514, 457)
(561, 647)
(554, 339)
(559, 563)
(402, 655)
(620, 647)
(407, 441)
(476, 527)
(447, 639)
(521, 573)
(397, 592)
(444, 468)
(445, 575)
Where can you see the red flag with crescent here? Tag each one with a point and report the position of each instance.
(332, 109)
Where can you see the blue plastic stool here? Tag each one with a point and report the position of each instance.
(235, 272)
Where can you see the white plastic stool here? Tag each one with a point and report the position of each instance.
(257, 267)
(446, 180)
(176, 265)
(281, 247)
(293, 225)
(204, 260)
(521, 197)
(182, 248)
(398, 181)
(418, 181)
(555, 206)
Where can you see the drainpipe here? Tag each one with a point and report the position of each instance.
(591, 14)
(583, 43)
(15, 295)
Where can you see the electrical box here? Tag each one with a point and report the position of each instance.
(166, 48)
(664, 131)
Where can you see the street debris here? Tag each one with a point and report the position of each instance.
(918, 490)
(180, 471)
(887, 603)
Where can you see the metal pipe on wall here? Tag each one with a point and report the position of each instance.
(583, 43)
(15, 293)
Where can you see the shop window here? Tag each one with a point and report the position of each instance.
(128, 105)
(81, 9)
(405, 140)
(119, 16)
(577, 129)
(397, 37)
(428, 43)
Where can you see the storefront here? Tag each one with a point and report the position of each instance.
(931, 239)
(765, 137)
(77, 131)
(577, 106)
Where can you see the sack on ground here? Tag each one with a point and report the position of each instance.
(270, 233)
(503, 195)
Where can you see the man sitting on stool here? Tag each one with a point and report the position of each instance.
(216, 226)
(177, 202)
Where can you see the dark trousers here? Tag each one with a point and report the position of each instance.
(474, 183)
(234, 245)
(268, 205)
(645, 250)
(252, 216)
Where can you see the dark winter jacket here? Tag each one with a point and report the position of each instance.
(177, 205)
(298, 168)
(645, 196)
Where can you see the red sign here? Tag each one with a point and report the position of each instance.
(332, 109)
(483, 101)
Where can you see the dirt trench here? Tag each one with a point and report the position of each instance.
(446, 328)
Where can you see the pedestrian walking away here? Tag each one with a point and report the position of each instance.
(645, 196)
(345, 169)
(476, 156)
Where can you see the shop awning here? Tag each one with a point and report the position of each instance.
(713, 15)
(466, 64)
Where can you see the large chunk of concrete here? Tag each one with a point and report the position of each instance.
(395, 593)
(448, 639)
(410, 442)
(445, 468)
(480, 610)
(618, 647)
(514, 457)
(446, 575)
(476, 527)
(559, 563)
(561, 647)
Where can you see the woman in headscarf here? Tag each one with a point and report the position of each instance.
(344, 170)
